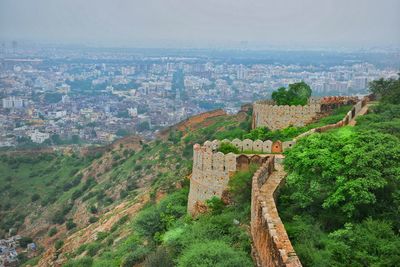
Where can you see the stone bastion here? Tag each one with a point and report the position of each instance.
(212, 169)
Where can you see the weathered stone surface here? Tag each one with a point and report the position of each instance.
(278, 117)
(270, 240)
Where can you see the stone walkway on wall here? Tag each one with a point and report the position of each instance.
(268, 193)
(362, 112)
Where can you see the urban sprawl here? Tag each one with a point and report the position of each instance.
(94, 98)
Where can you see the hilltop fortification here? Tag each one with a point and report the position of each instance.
(275, 117)
(212, 171)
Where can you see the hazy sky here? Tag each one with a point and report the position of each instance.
(356, 23)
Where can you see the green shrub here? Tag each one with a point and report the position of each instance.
(215, 204)
(159, 258)
(70, 224)
(296, 94)
(213, 253)
(228, 148)
(93, 219)
(58, 244)
(137, 256)
(93, 209)
(52, 231)
(82, 262)
(240, 185)
(35, 197)
(93, 248)
(24, 241)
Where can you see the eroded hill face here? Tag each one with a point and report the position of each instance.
(97, 188)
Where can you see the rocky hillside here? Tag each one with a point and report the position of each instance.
(73, 196)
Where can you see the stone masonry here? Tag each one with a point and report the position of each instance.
(276, 117)
(212, 171)
(271, 243)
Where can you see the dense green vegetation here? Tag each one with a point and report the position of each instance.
(328, 205)
(388, 91)
(341, 202)
(31, 183)
(164, 235)
(291, 132)
(295, 94)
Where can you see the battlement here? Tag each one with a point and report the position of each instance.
(248, 145)
(212, 170)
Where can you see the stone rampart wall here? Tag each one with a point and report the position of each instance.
(345, 121)
(271, 243)
(210, 175)
(267, 114)
(276, 117)
(212, 170)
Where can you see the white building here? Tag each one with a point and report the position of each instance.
(14, 102)
(133, 112)
(39, 137)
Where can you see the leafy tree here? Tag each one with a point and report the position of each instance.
(93, 219)
(58, 244)
(296, 94)
(24, 241)
(215, 204)
(344, 175)
(35, 197)
(143, 126)
(388, 91)
(228, 148)
(154, 220)
(52, 97)
(240, 185)
(159, 258)
(52, 231)
(213, 253)
(371, 243)
(70, 224)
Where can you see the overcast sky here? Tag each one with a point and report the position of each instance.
(353, 23)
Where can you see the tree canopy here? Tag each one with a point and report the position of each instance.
(388, 91)
(295, 94)
(341, 201)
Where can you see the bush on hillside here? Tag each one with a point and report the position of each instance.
(213, 253)
(159, 258)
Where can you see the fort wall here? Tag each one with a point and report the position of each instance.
(350, 116)
(274, 117)
(212, 170)
(271, 244)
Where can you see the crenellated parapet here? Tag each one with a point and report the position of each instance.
(212, 170)
(250, 146)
